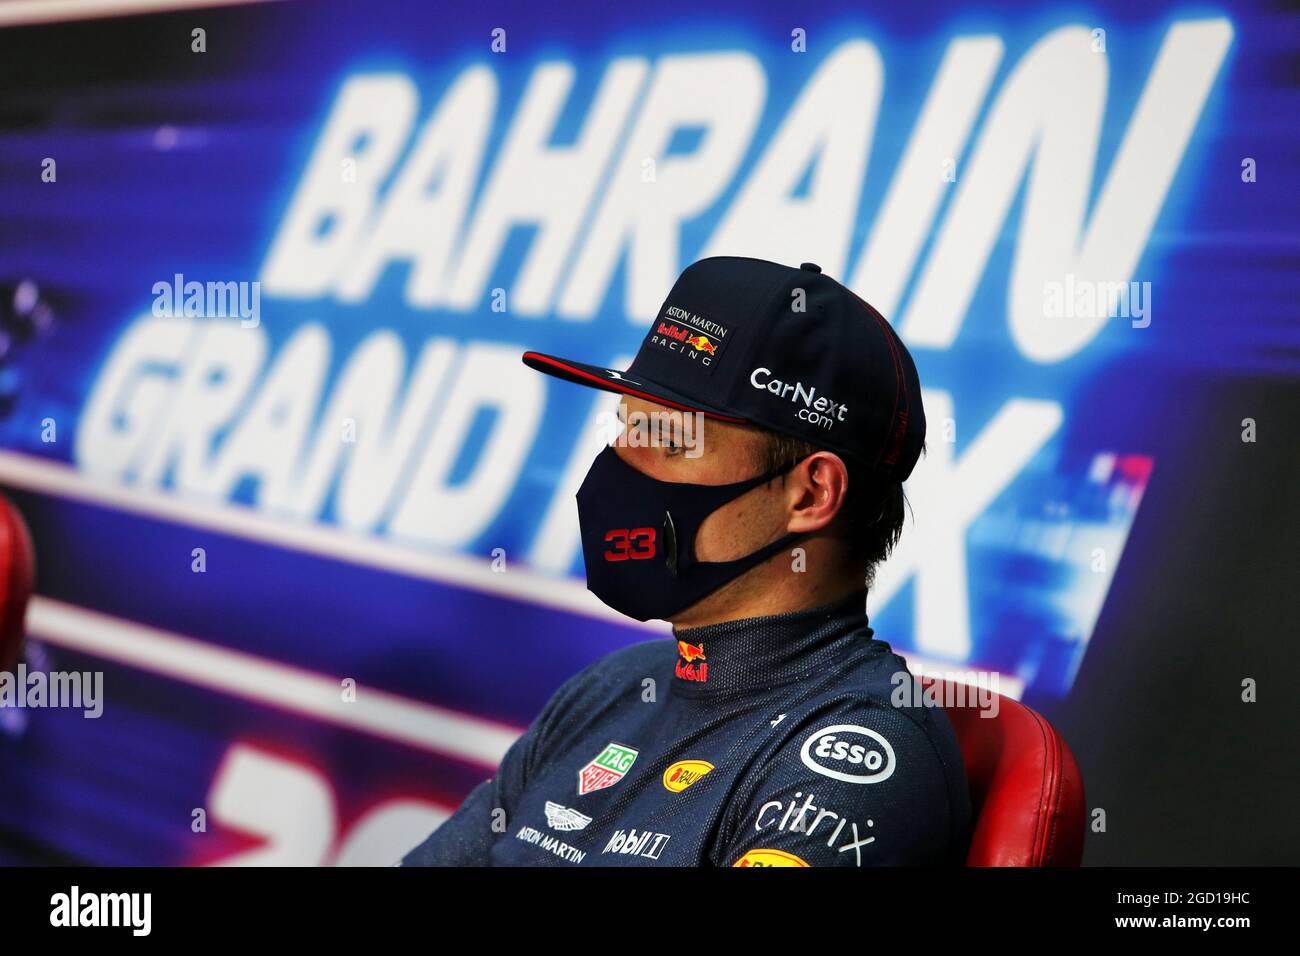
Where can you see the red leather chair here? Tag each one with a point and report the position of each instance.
(1025, 787)
(17, 569)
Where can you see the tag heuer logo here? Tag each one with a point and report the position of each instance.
(562, 818)
(607, 769)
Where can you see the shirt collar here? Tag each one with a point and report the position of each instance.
(754, 652)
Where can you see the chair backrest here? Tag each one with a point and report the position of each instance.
(1025, 787)
(17, 570)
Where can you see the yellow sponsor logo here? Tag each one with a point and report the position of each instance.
(769, 858)
(684, 773)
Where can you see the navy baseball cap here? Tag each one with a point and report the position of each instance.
(791, 350)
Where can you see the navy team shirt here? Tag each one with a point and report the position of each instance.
(768, 741)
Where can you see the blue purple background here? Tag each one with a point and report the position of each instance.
(125, 214)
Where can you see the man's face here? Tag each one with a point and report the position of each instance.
(724, 453)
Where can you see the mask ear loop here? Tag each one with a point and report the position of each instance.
(671, 558)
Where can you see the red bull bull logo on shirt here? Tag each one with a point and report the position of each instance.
(686, 667)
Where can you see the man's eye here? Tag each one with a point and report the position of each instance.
(672, 448)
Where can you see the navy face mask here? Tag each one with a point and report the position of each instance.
(638, 538)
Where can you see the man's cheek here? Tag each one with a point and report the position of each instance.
(712, 543)
(733, 531)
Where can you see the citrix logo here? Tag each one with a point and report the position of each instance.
(796, 821)
(818, 409)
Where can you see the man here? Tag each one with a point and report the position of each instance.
(773, 730)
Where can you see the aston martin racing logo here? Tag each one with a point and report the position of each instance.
(690, 336)
(607, 769)
(560, 817)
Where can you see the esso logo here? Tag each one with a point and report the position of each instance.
(850, 753)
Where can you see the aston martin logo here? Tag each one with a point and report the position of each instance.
(562, 818)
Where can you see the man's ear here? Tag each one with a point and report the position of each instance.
(817, 488)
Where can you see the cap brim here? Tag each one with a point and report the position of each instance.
(614, 380)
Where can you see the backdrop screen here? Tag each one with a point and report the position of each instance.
(295, 496)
